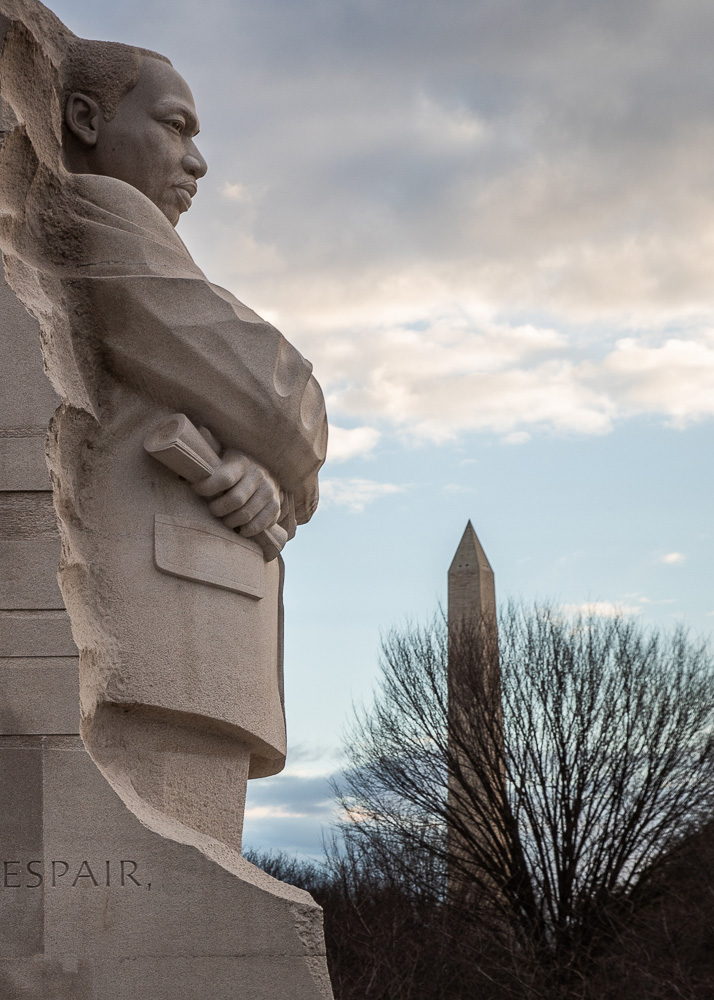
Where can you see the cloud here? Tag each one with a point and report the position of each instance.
(673, 559)
(600, 609)
(310, 756)
(345, 443)
(456, 488)
(355, 494)
(289, 812)
(444, 126)
(534, 163)
(435, 378)
(235, 192)
(298, 795)
(675, 378)
(517, 437)
(512, 237)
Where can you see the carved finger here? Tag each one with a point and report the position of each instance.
(228, 473)
(249, 510)
(266, 518)
(237, 496)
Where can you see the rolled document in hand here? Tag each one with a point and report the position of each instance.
(181, 447)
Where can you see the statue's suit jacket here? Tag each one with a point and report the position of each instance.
(175, 615)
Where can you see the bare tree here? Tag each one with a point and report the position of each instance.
(566, 786)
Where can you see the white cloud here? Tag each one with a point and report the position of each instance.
(275, 811)
(443, 126)
(517, 437)
(456, 488)
(673, 559)
(456, 371)
(235, 192)
(355, 494)
(675, 378)
(439, 370)
(601, 609)
(345, 443)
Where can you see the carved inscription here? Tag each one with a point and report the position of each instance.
(56, 874)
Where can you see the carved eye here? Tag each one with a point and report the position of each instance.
(177, 125)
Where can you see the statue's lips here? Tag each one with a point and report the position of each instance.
(187, 192)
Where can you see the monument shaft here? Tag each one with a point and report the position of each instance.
(476, 779)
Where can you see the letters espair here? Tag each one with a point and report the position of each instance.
(72, 874)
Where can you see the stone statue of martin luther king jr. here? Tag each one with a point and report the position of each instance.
(177, 615)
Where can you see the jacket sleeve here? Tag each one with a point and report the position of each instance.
(189, 348)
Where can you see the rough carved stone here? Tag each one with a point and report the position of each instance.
(177, 618)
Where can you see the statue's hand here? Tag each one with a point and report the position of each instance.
(245, 494)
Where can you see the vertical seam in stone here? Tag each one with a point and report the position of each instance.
(45, 866)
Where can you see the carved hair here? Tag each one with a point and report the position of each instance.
(104, 71)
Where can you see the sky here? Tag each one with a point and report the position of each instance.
(490, 226)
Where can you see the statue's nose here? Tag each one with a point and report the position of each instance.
(194, 163)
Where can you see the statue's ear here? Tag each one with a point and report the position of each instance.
(81, 116)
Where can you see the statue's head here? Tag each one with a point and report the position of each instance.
(128, 114)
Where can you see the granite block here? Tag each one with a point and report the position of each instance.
(39, 695)
(28, 573)
(36, 633)
(22, 462)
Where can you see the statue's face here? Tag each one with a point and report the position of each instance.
(149, 142)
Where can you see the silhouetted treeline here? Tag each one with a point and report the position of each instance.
(383, 942)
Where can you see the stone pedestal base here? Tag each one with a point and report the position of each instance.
(94, 906)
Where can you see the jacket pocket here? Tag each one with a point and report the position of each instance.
(216, 556)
